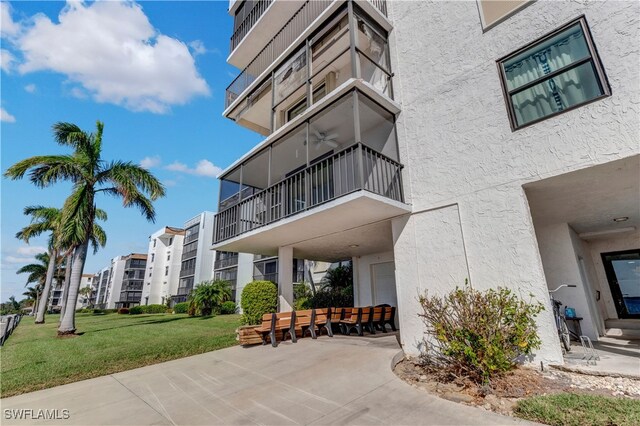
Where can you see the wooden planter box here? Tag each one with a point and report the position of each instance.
(247, 335)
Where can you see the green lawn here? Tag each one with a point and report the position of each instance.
(567, 409)
(34, 358)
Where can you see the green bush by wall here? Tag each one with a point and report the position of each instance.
(258, 298)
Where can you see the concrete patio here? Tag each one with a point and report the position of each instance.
(344, 380)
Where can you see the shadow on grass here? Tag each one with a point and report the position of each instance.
(151, 320)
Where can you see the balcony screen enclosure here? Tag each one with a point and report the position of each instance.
(348, 146)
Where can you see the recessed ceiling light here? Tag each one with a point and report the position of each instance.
(354, 245)
(621, 219)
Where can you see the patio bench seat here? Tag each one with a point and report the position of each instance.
(359, 319)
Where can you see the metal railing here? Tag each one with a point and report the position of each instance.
(357, 167)
(187, 272)
(273, 277)
(192, 237)
(309, 11)
(226, 262)
(189, 254)
(300, 21)
(248, 22)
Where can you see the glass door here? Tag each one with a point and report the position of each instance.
(623, 274)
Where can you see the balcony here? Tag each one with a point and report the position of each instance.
(187, 272)
(311, 68)
(346, 151)
(249, 19)
(226, 262)
(190, 254)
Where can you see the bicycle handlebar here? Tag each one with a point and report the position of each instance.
(563, 285)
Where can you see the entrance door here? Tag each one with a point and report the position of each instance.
(384, 284)
(623, 274)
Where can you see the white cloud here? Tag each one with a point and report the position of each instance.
(31, 250)
(7, 60)
(120, 57)
(6, 117)
(31, 88)
(150, 162)
(198, 48)
(202, 168)
(8, 28)
(17, 259)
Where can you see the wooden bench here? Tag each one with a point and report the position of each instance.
(358, 320)
(389, 317)
(273, 323)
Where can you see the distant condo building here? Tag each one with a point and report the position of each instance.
(197, 256)
(164, 260)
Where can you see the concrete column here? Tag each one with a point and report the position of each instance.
(285, 279)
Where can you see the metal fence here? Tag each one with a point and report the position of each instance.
(7, 325)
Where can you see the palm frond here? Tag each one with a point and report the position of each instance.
(46, 169)
(124, 174)
(98, 238)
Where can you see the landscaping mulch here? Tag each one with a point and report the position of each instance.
(503, 393)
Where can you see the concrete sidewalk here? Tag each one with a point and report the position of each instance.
(344, 380)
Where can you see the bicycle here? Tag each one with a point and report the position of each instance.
(561, 322)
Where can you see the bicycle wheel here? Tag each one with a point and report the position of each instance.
(564, 335)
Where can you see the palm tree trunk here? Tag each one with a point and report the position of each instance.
(51, 268)
(68, 323)
(35, 304)
(67, 282)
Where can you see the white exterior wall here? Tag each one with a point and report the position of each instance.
(244, 275)
(98, 289)
(115, 281)
(157, 285)
(464, 167)
(205, 256)
(362, 280)
(86, 281)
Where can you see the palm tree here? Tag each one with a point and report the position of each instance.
(43, 219)
(33, 294)
(209, 295)
(37, 274)
(90, 175)
(86, 291)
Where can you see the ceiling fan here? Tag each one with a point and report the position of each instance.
(323, 138)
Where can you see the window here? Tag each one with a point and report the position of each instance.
(153, 256)
(556, 73)
(169, 256)
(166, 271)
(154, 242)
(170, 240)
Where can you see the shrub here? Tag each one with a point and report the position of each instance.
(258, 298)
(136, 310)
(123, 311)
(329, 298)
(301, 304)
(181, 308)
(478, 334)
(98, 312)
(154, 309)
(228, 308)
(209, 296)
(109, 311)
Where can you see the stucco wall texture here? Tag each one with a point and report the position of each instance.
(465, 167)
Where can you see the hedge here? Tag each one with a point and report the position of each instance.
(258, 298)
(181, 308)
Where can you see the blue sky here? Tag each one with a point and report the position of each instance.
(153, 72)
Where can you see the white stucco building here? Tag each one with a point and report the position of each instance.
(433, 142)
(164, 259)
(197, 257)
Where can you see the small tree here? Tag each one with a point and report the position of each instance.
(258, 298)
(477, 334)
(209, 295)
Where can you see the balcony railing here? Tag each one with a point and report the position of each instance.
(300, 21)
(225, 263)
(273, 277)
(249, 21)
(355, 168)
(192, 237)
(187, 272)
(189, 254)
